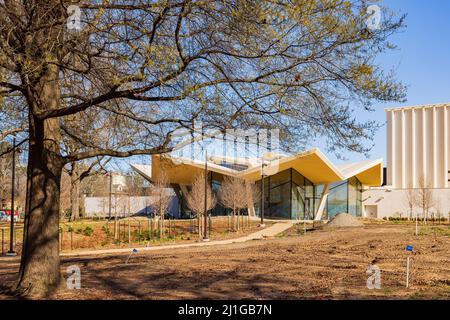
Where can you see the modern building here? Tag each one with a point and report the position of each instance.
(302, 186)
(418, 156)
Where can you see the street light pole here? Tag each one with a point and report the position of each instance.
(205, 211)
(262, 225)
(13, 178)
(110, 194)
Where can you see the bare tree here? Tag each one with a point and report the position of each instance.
(160, 200)
(411, 200)
(438, 214)
(65, 195)
(196, 197)
(425, 197)
(237, 194)
(229, 193)
(6, 180)
(253, 196)
(143, 69)
(78, 172)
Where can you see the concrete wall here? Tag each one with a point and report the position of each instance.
(386, 202)
(99, 206)
(418, 146)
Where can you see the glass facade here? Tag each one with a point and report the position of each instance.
(289, 195)
(345, 197)
(337, 199)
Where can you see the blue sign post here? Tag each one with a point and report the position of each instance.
(409, 248)
(134, 251)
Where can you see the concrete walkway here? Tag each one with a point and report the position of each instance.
(268, 232)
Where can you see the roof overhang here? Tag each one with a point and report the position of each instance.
(183, 170)
(369, 173)
(144, 170)
(312, 164)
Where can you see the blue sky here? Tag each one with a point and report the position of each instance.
(421, 61)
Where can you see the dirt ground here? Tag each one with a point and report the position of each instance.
(319, 265)
(133, 232)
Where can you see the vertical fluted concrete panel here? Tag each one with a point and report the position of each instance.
(439, 171)
(389, 146)
(399, 144)
(418, 146)
(446, 147)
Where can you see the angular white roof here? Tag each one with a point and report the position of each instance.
(312, 164)
(143, 170)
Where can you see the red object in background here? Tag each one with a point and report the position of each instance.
(5, 215)
(8, 212)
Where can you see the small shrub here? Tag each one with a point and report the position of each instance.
(88, 231)
(106, 230)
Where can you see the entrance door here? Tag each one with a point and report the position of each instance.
(371, 211)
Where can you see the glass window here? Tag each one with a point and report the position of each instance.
(288, 195)
(337, 199)
(280, 178)
(298, 201)
(354, 197)
(216, 182)
(297, 178)
(309, 200)
(280, 201)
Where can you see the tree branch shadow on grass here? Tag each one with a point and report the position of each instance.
(136, 284)
(8, 290)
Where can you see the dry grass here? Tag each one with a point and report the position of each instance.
(318, 265)
(98, 234)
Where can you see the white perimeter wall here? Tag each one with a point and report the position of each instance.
(99, 206)
(391, 202)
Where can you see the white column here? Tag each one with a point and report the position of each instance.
(445, 138)
(391, 147)
(413, 149)
(435, 154)
(403, 150)
(424, 145)
(323, 202)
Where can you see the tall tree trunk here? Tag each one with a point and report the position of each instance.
(75, 192)
(81, 201)
(39, 271)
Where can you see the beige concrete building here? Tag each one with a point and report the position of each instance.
(418, 154)
(303, 186)
(417, 146)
